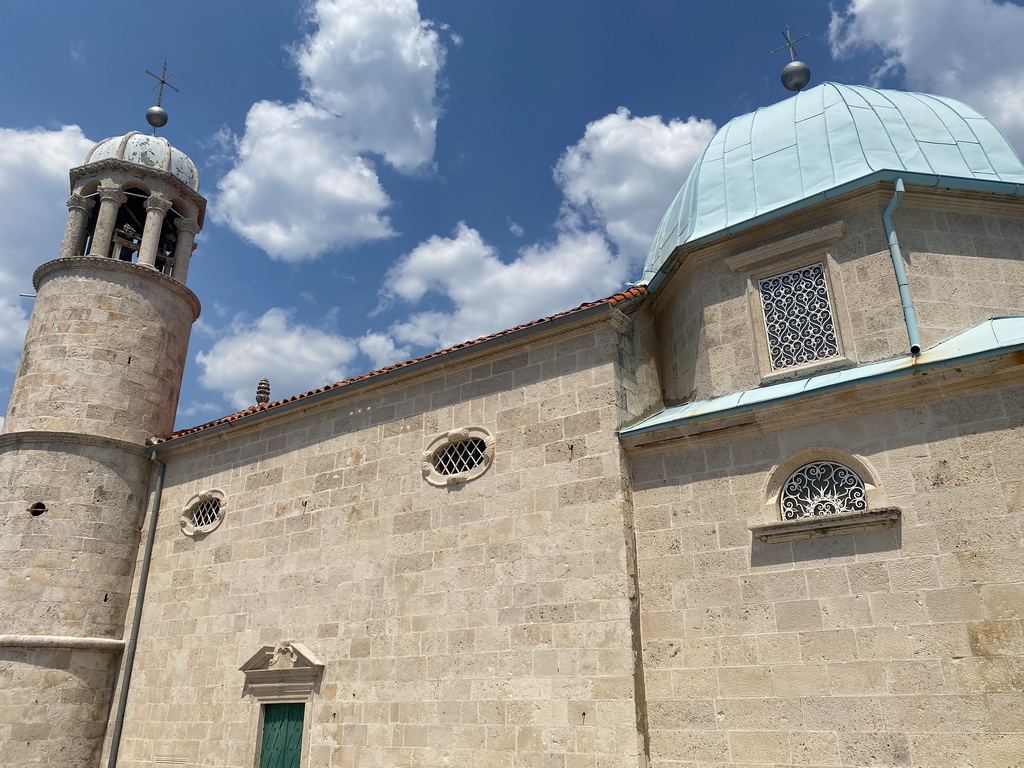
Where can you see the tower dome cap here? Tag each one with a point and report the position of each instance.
(152, 152)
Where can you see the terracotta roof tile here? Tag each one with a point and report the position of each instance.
(613, 300)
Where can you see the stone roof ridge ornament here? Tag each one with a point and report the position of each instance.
(157, 116)
(796, 74)
(263, 391)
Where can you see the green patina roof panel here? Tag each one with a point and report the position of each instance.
(827, 140)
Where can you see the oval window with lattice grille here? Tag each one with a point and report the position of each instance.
(203, 513)
(458, 456)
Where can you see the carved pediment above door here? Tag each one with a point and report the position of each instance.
(287, 671)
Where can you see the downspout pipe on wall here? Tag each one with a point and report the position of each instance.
(140, 597)
(901, 273)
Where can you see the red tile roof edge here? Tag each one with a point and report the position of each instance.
(613, 300)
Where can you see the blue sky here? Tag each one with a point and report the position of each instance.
(387, 178)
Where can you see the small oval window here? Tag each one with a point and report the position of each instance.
(37, 509)
(458, 456)
(203, 513)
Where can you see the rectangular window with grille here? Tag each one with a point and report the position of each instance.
(798, 317)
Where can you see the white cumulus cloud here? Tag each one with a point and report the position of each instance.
(381, 349)
(616, 181)
(374, 64)
(624, 172)
(303, 181)
(294, 357)
(299, 189)
(33, 188)
(487, 294)
(969, 50)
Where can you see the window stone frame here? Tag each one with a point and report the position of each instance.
(783, 256)
(773, 528)
(188, 527)
(443, 440)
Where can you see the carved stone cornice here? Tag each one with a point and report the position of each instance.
(812, 239)
(42, 437)
(106, 644)
(287, 671)
(115, 265)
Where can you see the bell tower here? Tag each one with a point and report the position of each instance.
(100, 373)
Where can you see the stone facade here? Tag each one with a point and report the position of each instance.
(894, 646)
(964, 263)
(488, 623)
(891, 645)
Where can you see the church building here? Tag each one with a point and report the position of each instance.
(764, 508)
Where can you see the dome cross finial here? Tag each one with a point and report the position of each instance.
(796, 74)
(157, 116)
(790, 43)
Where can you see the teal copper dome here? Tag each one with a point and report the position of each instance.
(821, 143)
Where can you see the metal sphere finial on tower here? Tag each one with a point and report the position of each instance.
(796, 74)
(157, 116)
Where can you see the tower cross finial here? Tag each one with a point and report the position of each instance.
(157, 116)
(163, 77)
(789, 44)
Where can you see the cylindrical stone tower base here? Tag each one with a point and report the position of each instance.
(104, 352)
(99, 375)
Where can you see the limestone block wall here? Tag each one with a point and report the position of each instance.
(104, 352)
(65, 572)
(53, 706)
(636, 365)
(899, 646)
(482, 624)
(963, 268)
(965, 262)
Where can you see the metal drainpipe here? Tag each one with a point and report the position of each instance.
(140, 597)
(901, 274)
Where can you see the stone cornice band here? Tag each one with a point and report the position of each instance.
(62, 642)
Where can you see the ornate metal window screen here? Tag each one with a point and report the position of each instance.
(822, 488)
(203, 513)
(206, 512)
(461, 456)
(798, 317)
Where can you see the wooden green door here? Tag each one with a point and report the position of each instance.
(282, 735)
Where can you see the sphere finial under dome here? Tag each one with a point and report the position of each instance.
(156, 116)
(796, 74)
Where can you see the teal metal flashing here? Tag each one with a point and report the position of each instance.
(825, 142)
(999, 335)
